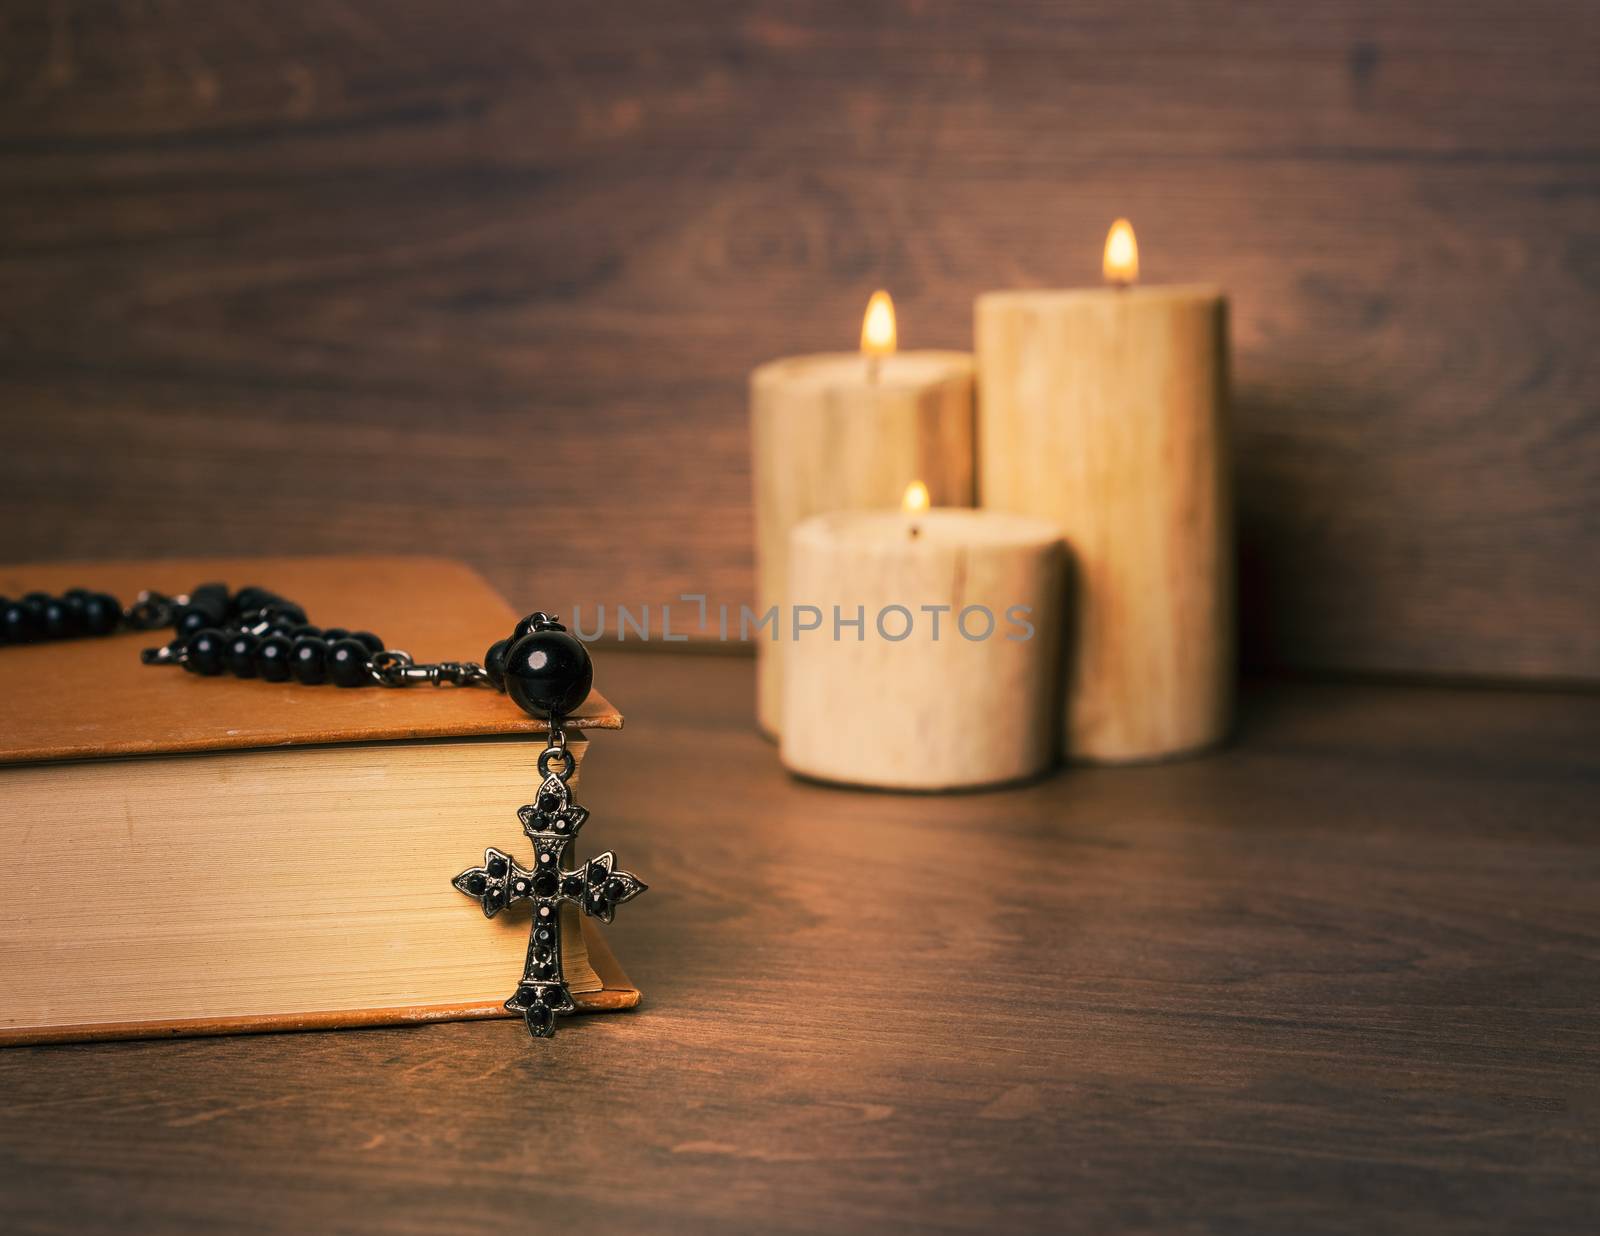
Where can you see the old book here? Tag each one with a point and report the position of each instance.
(195, 856)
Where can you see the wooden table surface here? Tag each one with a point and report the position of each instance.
(1344, 975)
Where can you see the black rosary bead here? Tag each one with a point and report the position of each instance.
(371, 641)
(241, 654)
(287, 612)
(73, 601)
(204, 652)
(207, 607)
(308, 660)
(272, 658)
(56, 620)
(305, 629)
(334, 634)
(249, 600)
(102, 613)
(347, 663)
(17, 624)
(190, 619)
(548, 672)
(494, 663)
(212, 597)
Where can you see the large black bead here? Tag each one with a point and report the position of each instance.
(205, 652)
(272, 658)
(102, 613)
(366, 638)
(308, 660)
(347, 663)
(548, 673)
(241, 655)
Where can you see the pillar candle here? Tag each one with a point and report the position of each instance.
(1102, 410)
(933, 664)
(848, 431)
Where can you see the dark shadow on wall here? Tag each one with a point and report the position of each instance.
(1306, 540)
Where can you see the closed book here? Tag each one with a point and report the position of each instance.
(188, 855)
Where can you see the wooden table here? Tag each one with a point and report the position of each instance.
(1344, 975)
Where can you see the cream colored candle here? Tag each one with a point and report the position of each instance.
(932, 663)
(849, 431)
(1103, 411)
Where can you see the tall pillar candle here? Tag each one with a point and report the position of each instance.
(848, 431)
(933, 662)
(1103, 411)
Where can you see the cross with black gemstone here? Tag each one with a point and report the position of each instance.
(598, 887)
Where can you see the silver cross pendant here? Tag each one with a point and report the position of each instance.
(598, 886)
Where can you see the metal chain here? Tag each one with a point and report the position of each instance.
(152, 611)
(556, 749)
(393, 667)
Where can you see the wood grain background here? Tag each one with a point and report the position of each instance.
(357, 275)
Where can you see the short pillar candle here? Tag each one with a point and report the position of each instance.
(933, 664)
(848, 431)
(1103, 411)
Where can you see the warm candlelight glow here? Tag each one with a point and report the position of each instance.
(1121, 264)
(916, 499)
(877, 327)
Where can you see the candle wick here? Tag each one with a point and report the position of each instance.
(915, 531)
(872, 369)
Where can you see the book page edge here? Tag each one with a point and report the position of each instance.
(608, 1000)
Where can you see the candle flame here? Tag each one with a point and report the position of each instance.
(916, 499)
(878, 335)
(1121, 263)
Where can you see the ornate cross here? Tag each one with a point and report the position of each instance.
(599, 886)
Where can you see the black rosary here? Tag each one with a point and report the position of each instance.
(254, 633)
